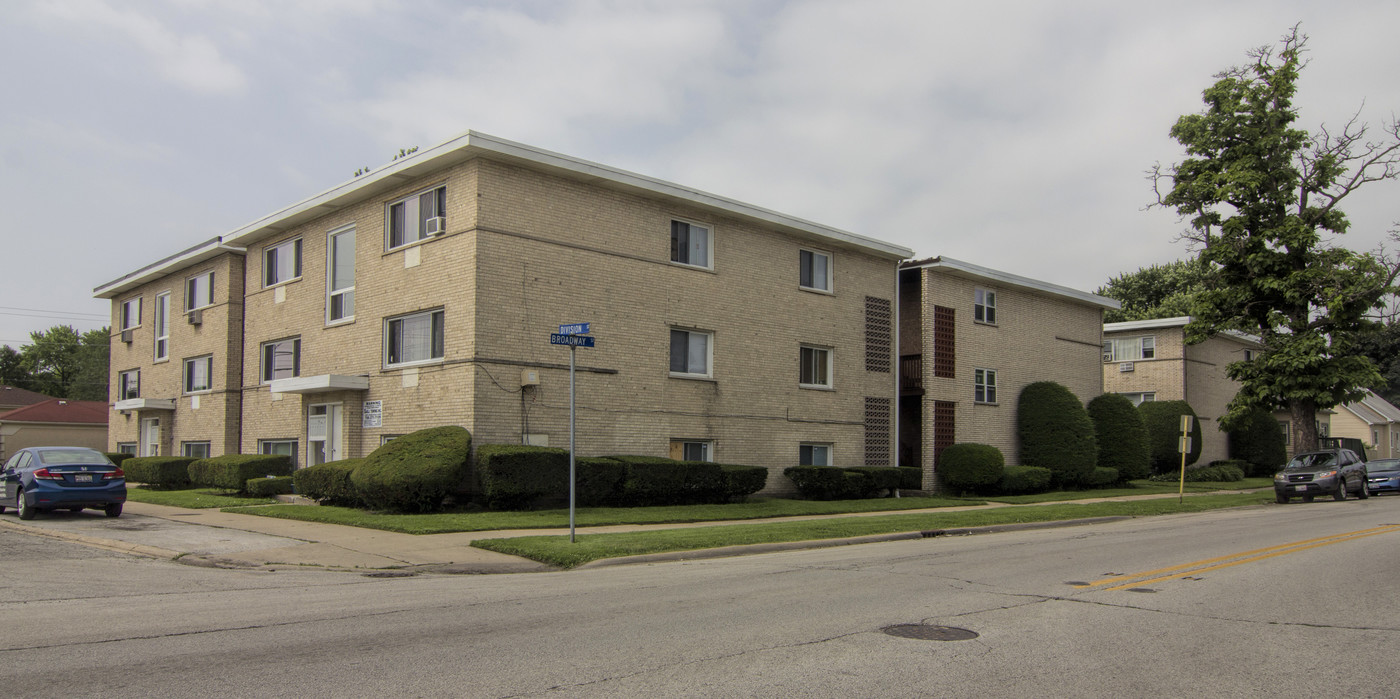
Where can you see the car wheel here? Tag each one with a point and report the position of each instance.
(22, 508)
(1341, 493)
(1363, 493)
(113, 510)
(1280, 498)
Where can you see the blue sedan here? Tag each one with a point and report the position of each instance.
(1384, 476)
(61, 478)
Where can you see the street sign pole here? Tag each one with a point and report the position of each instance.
(574, 336)
(573, 350)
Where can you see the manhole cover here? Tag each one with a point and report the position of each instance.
(928, 632)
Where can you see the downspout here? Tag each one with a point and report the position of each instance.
(894, 361)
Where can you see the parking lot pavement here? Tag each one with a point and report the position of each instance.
(144, 535)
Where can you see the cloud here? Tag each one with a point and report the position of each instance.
(190, 60)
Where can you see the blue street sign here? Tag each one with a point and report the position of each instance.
(574, 329)
(571, 340)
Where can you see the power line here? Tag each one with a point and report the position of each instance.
(44, 310)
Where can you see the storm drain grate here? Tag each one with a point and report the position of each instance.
(929, 632)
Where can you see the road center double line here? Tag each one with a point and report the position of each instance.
(1155, 576)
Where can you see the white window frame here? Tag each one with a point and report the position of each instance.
(126, 448)
(345, 294)
(984, 306)
(162, 326)
(984, 386)
(437, 340)
(193, 286)
(414, 231)
(274, 266)
(186, 379)
(265, 445)
(268, 368)
(1130, 349)
(807, 454)
(1250, 354)
(815, 356)
(1140, 397)
(122, 382)
(1375, 438)
(688, 252)
(709, 352)
(1286, 426)
(705, 447)
(187, 447)
(131, 314)
(808, 270)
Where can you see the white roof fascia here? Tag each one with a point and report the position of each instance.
(204, 251)
(967, 269)
(1177, 322)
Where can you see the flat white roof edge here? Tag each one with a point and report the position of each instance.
(1017, 280)
(206, 250)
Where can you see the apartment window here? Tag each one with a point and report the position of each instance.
(690, 352)
(1375, 437)
(199, 291)
(816, 367)
(163, 326)
(1285, 427)
(281, 359)
(129, 384)
(814, 270)
(282, 262)
(413, 338)
(690, 244)
(1129, 349)
(416, 217)
(814, 454)
(279, 447)
(1250, 354)
(197, 374)
(198, 450)
(984, 383)
(984, 306)
(691, 450)
(126, 448)
(1140, 398)
(131, 313)
(340, 282)
(386, 438)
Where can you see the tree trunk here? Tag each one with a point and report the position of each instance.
(1303, 415)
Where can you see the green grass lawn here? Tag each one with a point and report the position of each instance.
(196, 499)
(1142, 487)
(559, 551)
(445, 522)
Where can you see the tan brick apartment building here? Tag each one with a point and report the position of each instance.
(971, 338)
(424, 293)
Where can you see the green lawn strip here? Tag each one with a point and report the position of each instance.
(446, 522)
(558, 551)
(1142, 487)
(192, 499)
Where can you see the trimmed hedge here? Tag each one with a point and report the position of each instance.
(416, 472)
(1056, 433)
(159, 471)
(598, 480)
(1257, 442)
(971, 467)
(911, 478)
(1163, 420)
(514, 476)
(1122, 436)
(653, 480)
(830, 482)
(1102, 477)
(268, 487)
(1020, 480)
(882, 478)
(1227, 471)
(329, 483)
(232, 471)
(743, 481)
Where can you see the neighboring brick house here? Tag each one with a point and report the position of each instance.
(55, 422)
(1149, 360)
(424, 293)
(1374, 421)
(971, 338)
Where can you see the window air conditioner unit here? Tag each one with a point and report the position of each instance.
(1107, 357)
(1125, 366)
(127, 336)
(195, 317)
(436, 225)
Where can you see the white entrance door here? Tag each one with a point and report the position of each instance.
(324, 433)
(150, 437)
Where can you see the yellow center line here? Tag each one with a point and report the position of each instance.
(1236, 558)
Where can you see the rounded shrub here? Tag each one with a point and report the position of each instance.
(828, 482)
(415, 472)
(1122, 436)
(742, 481)
(267, 487)
(1257, 440)
(1056, 433)
(1021, 480)
(1163, 420)
(329, 483)
(1102, 477)
(971, 467)
(171, 472)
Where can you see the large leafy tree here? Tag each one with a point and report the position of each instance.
(1384, 349)
(1260, 195)
(1157, 291)
(12, 371)
(61, 363)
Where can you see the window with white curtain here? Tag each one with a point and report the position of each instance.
(814, 270)
(163, 326)
(1130, 349)
(340, 282)
(690, 244)
(282, 262)
(409, 217)
(199, 291)
(413, 338)
(281, 359)
(690, 353)
(198, 373)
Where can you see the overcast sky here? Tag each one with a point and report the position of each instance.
(1013, 135)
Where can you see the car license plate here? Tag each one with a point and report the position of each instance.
(1301, 486)
(83, 478)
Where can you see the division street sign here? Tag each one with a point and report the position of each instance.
(571, 340)
(574, 329)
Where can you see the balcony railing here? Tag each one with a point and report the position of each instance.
(911, 374)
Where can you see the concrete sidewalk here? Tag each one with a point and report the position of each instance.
(209, 537)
